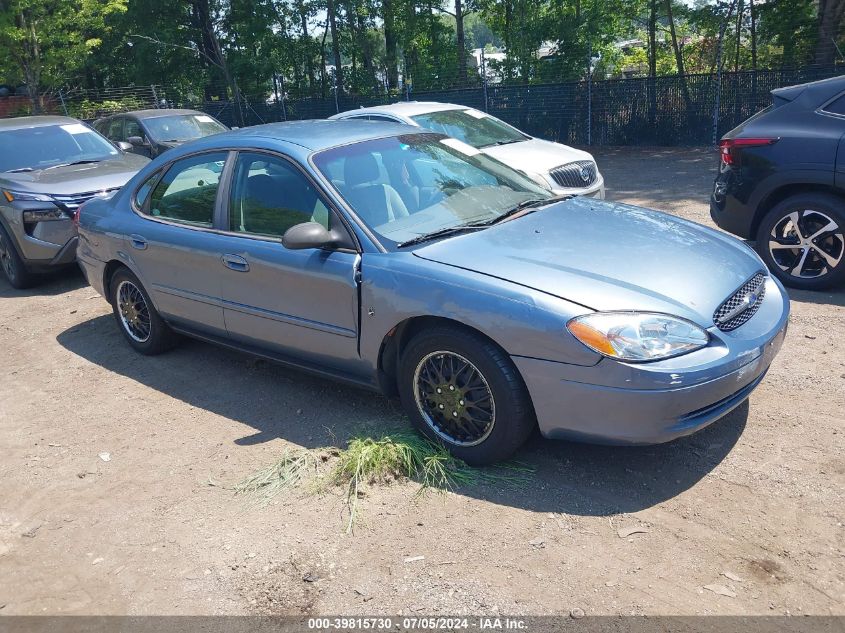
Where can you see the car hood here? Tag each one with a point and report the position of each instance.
(535, 155)
(74, 179)
(608, 256)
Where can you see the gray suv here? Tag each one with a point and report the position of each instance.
(49, 165)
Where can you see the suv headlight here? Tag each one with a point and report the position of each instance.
(637, 336)
(25, 196)
(538, 179)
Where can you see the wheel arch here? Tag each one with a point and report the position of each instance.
(787, 190)
(397, 339)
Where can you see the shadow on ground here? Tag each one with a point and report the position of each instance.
(311, 412)
(48, 285)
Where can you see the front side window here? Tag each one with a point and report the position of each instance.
(473, 127)
(133, 129)
(48, 146)
(183, 127)
(115, 132)
(188, 190)
(270, 195)
(407, 186)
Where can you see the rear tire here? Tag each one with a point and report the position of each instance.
(137, 318)
(12, 265)
(464, 391)
(793, 242)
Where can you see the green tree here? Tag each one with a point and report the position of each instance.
(48, 41)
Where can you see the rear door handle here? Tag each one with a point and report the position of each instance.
(138, 242)
(236, 262)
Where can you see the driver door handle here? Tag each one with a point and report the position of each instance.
(236, 263)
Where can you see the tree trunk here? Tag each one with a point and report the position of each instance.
(28, 58)
(739, 13)
(508, 37)
(829, 22)
(460, 37)
(338, 68)
(390, 44)
(323, 77)
(652, 62)
(306, 47)
(679, 57)
(753, 17)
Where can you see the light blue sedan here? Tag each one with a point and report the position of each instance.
(412, 264)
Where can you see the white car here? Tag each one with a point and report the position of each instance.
(563, 169)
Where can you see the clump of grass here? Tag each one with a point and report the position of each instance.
(412, 456)
(291, 469)
(368, 461)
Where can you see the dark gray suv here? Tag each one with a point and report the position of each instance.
(49, 165)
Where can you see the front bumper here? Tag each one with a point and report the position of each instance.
(651, 403)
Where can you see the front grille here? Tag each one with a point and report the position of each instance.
(741, 305)
(72, 202)
(575, 175)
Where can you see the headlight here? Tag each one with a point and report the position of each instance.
(538, 179)
(25, 196)
(637, 336)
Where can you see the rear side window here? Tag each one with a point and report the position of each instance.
(187, 192)
(837, 106)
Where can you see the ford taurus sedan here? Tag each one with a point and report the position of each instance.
(413, 264)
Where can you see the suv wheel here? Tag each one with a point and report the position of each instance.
(13, 267)
(462, 390)
(136, 316)
(802, 241)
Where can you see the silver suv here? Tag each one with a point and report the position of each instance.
(49, 165)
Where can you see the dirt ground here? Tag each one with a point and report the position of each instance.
(752, 507)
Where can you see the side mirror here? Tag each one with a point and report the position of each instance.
(124, 146)
(307, 235)
(136, 141)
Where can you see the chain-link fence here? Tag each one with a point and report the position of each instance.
(669, 110)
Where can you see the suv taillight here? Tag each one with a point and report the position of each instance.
(729, 147)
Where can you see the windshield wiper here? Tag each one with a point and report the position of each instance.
(19, 170)
(534, 203)
(449, 230)
(76, 162)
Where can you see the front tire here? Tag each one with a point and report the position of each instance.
(461, 389)
(12, 265)
(137, 318)
(802, 241)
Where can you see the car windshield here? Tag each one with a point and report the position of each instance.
(183, 127)
(470, 126)
(52, 145)
(405, 187)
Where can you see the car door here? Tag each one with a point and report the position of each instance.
(298, 303)
(174, 243)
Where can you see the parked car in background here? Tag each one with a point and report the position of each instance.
(151, 132)
(781, 182)
(560, 168)
(485, 301)
(49, 165)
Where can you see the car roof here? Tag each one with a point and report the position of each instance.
(409, 108)
(24, 122)
(315, 135)
(154, 113)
